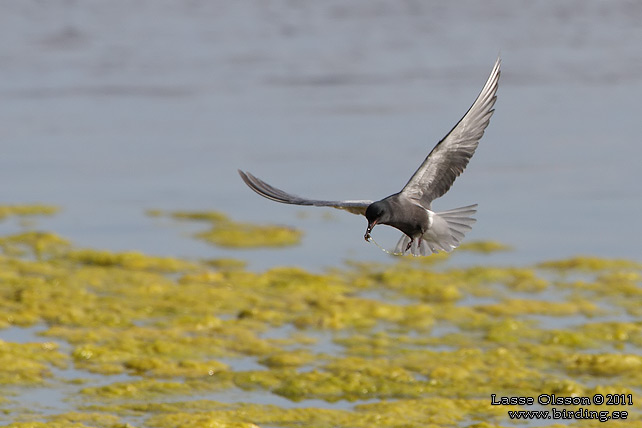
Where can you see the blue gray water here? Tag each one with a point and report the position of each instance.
(108, 109)
(112, 108)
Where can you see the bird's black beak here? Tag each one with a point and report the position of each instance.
(368, 230)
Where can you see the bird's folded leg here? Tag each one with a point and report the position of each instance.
(409, 245)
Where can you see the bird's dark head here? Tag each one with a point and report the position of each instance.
(375, 214)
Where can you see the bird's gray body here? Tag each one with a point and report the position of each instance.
(414, 219)
(425, 231)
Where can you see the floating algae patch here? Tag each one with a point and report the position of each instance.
(607, 365)
(29, 363)
(484, 247)
(34, 243)
(398, 413)
(132, 339)
(27, 210)
(246, 235)
(129, 260)
(225, 232)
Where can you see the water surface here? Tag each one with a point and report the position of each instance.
(112, 108)
(107, 114)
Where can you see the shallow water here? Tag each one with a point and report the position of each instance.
(108, 114)
(106, 339)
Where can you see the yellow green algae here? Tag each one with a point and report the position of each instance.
(136, 340)
(27, 210)
(228, 233)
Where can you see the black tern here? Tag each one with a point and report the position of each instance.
(409, 210)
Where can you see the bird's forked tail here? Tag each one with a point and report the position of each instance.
(446, 231)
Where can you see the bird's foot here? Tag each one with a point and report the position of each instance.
(409, 245)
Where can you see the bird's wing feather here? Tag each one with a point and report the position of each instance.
(278, 195)
(450, 156)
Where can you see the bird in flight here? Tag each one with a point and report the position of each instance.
(424, 231)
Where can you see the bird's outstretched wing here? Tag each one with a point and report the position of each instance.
(278, 195)
(451, 155)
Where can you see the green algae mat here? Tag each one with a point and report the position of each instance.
(93, 338)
